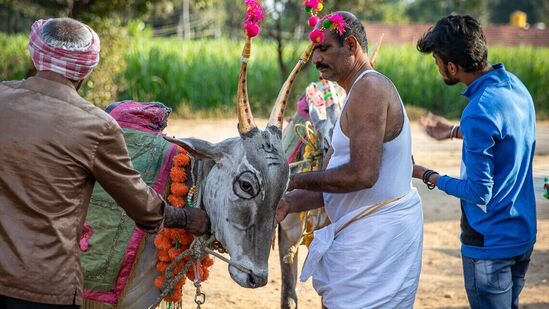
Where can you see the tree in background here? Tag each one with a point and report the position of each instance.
(286, 23)
(198, 19)
(107, 17)
(215, 18)
(17, 15)
(189, 19)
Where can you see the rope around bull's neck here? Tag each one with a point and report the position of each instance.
(197, 252)
(308, 136)
(198, 249)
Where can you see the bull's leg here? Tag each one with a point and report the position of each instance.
(288, 233)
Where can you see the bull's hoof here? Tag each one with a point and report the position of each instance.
(290, 304)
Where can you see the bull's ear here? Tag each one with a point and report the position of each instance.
(198, 148)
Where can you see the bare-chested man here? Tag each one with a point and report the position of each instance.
(371, 255)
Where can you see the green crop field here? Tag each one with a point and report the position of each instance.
(198, 78)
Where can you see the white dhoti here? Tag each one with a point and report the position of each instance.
(374, 262)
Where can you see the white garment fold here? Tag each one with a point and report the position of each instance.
(373, 262)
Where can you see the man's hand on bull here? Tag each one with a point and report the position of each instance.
(193, 220)
(282, 209)
(291, 183)
(437, 127)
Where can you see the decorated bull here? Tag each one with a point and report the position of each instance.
(238, 182)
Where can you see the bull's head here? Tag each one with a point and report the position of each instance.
(246, 176)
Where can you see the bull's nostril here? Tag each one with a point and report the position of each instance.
(255, 280)
(251, 280)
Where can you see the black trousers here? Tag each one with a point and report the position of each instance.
(14, 303)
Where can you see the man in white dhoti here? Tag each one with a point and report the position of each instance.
(370, 256)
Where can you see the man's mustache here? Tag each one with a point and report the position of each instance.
(321, 66)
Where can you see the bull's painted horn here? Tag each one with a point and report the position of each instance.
(245, 118)
(277, 113)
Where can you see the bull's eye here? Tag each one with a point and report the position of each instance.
(246, 185)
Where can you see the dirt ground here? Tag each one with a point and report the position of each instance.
(441, 282)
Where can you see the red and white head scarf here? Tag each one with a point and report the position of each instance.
(73, 64)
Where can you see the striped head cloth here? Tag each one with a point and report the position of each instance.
(73, 63)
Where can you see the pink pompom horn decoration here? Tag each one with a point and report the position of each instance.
(315, 5)
(251, 30)
(313, 20)
(316, 36)
(330, 22)
(275, 119)
(337, 22)
(254, 16)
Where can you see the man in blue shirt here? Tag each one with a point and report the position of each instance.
(498, 127)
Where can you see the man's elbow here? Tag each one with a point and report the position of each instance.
(367, 180)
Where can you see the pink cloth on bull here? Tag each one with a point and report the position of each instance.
(73, 64)
(150, 117)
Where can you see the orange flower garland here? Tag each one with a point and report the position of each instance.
(171, 242)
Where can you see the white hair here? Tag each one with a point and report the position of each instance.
(66, 33)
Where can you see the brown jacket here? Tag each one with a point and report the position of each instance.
(53, 146)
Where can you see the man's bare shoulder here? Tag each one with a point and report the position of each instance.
(372, 85)
(371, 90)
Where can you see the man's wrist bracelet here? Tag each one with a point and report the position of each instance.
(426, 175)
(454, 131)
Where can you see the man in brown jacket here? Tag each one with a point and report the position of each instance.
(54, 145)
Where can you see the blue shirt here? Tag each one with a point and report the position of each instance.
(496, 186)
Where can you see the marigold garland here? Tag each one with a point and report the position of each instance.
(171, 242)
